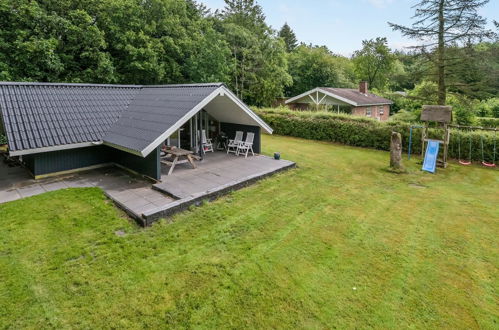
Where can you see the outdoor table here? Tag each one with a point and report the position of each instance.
(177, 155)
(222, 142)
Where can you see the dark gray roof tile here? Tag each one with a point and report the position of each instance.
(43, 115)
(39, 115)
(356, 96)
(153, 111)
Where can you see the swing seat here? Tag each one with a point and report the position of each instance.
(464, 162)
(488, 164)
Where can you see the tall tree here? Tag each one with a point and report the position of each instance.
(245, 13)
(289, 37)
(439, 23)
(39, 43)
(374, 62)
(312, 67)
(259, 73)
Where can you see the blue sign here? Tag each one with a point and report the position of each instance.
(431, 155)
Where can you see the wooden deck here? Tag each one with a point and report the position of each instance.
(216, 175)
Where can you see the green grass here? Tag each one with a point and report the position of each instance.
(421, 251)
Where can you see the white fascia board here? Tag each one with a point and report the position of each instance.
(130, 151)
(372, 105)
(325, 92)
(246, 109)
(147, 150)
(291, 100)
(338, 97)
(54, 148)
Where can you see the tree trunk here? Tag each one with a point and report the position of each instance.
(441, 54)
(396, 151)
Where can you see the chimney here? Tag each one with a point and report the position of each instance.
(363, 85)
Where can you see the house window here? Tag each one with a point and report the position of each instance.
(368, 112)
(381, 110)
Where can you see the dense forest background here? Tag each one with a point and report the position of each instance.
(181, 41)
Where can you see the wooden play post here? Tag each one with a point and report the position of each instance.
(396, 151)
(442, 116)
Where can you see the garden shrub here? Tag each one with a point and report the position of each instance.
(3, 139)
(487, 122)
(367, 132)
(489, 108)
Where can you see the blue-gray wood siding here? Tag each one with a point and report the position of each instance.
(149, 166)
(230, 129)
(65, 160)
(72, 159)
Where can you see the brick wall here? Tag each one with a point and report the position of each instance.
(375, 112)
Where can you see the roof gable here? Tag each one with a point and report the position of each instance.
(154, 111)
(346, 95)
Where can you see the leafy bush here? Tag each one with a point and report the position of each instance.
(487, 122)
(366, 132)
(405, 116)
(463, 108)
(3, 139)
(489, 108)
(409, 106)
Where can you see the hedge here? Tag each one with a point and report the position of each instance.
(487, 121)
(370, 133)
(3, 139)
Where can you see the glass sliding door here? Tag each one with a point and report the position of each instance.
(173, 140)
(201, 121)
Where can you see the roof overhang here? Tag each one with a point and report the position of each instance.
(222, 91)
(326, 93)
(323, 91)
(374, 104)
(54, 148)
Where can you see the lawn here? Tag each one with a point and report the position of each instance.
(337, 242)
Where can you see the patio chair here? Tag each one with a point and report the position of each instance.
(206, 144)
(233, 144)
(246, 146)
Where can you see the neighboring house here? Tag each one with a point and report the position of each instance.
(56, 127)
(360, 100)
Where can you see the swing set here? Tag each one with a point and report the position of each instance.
(442, 116)
(468, 161)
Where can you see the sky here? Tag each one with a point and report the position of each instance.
(341, 25)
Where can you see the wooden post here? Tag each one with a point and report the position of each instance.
(396, 152)
(442, 115)
(446, 145)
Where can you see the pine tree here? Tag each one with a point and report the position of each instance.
(441, 23)
(289, 37)
(259, 69)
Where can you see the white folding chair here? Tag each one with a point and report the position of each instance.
(233, 144)
(246, 146)
(206, 144)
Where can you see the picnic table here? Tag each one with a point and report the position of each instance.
(180, 156)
